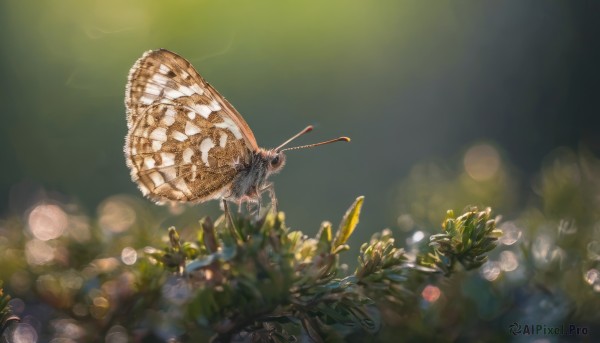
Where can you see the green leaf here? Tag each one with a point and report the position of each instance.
(174, 238)
(348, 223)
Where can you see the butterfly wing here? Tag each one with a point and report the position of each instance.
(185, 141)
(162, 76)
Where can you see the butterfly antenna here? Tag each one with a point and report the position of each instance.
(339, 139)
(305, 130)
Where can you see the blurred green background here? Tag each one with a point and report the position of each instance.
(447, 103)
(406, 80)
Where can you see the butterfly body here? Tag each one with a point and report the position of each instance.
(187, 143)
(252, 179)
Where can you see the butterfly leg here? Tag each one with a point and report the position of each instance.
(227, 213)
(239, 204)
(230, 223)
(258, 206)
(271, 189)
(255, 210)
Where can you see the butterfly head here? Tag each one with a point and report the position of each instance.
(274, 160)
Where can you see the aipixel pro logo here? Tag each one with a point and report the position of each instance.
(517, 329)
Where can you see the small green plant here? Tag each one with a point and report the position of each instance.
(255, 280)
(466, 239)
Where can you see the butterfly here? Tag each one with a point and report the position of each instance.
(186, 143)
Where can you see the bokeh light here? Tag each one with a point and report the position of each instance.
(116, 334)
(405, 222)
(482, 162)
(431, 293)
(490, 270)
(116, 214)
(100, 307)
(592, 276)
(418, 236)
(39, 252)
(415, 238)
(67, 329)
(79, 228)
(21, 333)
(128, 255)
(80, 310)
(510, 233)
(508, 261)
(47, 222)
(106, 265)
(34, 321)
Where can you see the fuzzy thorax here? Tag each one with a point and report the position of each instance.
(251, 179)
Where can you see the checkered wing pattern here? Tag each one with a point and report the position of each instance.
(185, 142)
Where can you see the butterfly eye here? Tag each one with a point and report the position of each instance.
(275, 161)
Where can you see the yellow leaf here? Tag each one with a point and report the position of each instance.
(348, 223)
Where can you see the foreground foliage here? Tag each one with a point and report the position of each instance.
(254, 279)
(258, 281)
